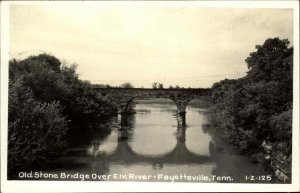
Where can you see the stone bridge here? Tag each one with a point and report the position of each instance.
(126, 96)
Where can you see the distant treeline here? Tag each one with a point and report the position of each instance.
(47, 102)
(257, 108)
(155, 85)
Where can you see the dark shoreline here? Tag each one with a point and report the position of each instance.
(257, 158)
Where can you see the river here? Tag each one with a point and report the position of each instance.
(151, 144)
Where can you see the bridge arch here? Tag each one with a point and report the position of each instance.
(180, 102)
(179, 154)
(125, 96)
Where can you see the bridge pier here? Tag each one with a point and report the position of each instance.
(127, 106)
(181, 102)
(126, 125)
(181, 134)
(124, 120)
(123, 135)
(181, 119)
(123, 131)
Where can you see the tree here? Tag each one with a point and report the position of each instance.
(154, 85)
(269, 61)
(127, 85)
(171, 87)
(157, 85)
(160, 85)
(258, 107)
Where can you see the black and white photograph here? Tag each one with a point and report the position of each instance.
(193, 95)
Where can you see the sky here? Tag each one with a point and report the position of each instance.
(186, 46)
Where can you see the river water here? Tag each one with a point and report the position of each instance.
(151, 147)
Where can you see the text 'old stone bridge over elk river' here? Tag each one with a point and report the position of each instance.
(180, 97)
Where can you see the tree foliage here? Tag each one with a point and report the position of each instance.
(258, 107)
(45, 98)
(127, 85)
(157, 85)
(36, 130)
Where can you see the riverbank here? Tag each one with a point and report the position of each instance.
(272, 160)
(257, 109)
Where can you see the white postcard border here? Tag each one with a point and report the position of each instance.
(89, 186)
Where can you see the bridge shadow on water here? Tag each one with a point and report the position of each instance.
(124, 154)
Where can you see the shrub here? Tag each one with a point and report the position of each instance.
(36, 131)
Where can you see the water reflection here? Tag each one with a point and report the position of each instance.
(197, 139)
(152, 141)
